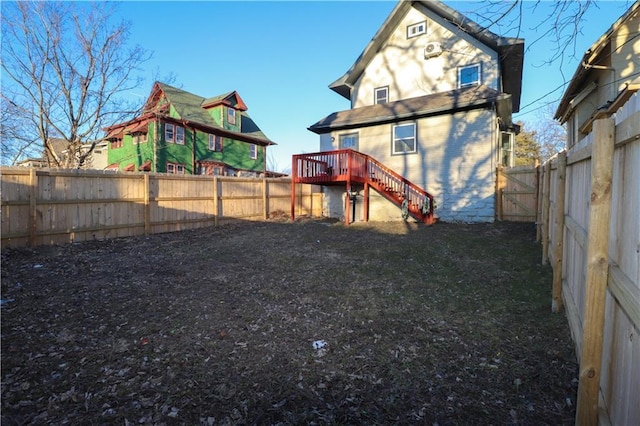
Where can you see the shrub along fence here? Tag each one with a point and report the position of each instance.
(590, 229)
(41, 207)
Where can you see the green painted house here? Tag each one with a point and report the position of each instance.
(179, 132)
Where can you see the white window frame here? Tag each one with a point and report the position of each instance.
(472, 83)
(395, 140)
(168, 126)
(347, 136)
(231, 115)
(253, 152)
(175, 168)
(377, 90)
(507, 149)
(416, 29)
(180, 135)
(215, 143)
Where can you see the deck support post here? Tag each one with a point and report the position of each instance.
(294, 169)
(365, 197)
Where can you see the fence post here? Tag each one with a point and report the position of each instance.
(147, 207)
(265, 199)
(538, 200)
(556, 304)
(546, 201)
(294, 174)
(216, 201)
(499, 189)
(33, 194)
(597, 271)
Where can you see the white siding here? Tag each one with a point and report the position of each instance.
(401, 65)
(455, 162)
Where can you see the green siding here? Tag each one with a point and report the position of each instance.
(169, 152)
(132, 153)
(181, 105)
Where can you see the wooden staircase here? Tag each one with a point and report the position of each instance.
(352, 167)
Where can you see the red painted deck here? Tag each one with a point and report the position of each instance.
(347, 167)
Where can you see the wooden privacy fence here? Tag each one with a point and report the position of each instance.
(517, 193)
(590, 228)
(41, 207)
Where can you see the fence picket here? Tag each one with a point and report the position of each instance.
(60, 206)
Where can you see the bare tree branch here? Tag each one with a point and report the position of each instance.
(67, 67)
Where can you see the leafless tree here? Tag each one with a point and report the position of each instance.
(562, 23)
(65, 68)
(550, 134)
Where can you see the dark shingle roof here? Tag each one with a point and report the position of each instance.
(510, 50)
(422, 106)
(189, 107)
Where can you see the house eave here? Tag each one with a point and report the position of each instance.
(590, 57)
(392, 118)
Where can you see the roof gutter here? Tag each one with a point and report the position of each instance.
(399, 117)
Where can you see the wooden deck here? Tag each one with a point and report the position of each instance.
(346, 167)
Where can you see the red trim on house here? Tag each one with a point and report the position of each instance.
(145, 167)
(142, 127)
(129, 168)
(240, 105)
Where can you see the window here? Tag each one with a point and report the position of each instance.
(469, 75)
(253, 152)
(139, 138)
(168, 132)
(116, 143)
(404, 138)
(215, 143)
(180, 135)
(381, 95)
(231, 116)
(174, 168)
(349, 140)
(508, 157)
(416, 29)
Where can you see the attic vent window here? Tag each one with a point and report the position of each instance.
(416, 29)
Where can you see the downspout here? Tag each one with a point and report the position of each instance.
(156, 128)
(193, 154)
(264, 162)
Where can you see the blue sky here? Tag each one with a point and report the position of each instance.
(281, 56)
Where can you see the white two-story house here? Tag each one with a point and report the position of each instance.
(432, 96)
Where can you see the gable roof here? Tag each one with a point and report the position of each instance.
(190, 110)
(228, 99)
(590, 57)
(421, 106)
(510, 50)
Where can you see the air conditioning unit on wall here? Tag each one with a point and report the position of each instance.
(432, 49)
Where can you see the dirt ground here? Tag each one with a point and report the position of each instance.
(310, 322)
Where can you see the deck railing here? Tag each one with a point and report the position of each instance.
(349, 166)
